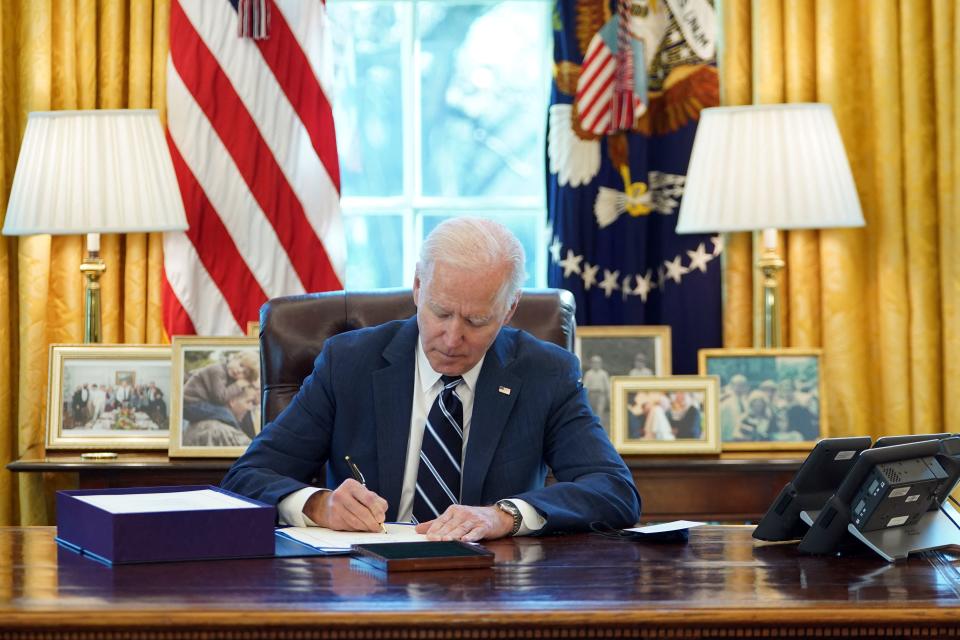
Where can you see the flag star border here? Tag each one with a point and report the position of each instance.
(669, 271)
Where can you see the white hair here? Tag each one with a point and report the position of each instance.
(474, 243)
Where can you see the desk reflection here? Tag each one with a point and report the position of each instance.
(557, 573)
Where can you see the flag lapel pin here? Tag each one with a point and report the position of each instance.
(504, 390)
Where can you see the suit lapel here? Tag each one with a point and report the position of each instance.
(497, 390)
(393, 400)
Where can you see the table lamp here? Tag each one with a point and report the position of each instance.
(93, 172)
(768, 167)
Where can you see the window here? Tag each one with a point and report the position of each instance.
(440, 107)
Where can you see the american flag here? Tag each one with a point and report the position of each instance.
(251, 133)
(610, 93)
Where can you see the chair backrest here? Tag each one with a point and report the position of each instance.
(294, 328)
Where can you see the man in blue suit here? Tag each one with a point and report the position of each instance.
(454, 417)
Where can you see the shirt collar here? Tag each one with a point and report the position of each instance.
(429, 377)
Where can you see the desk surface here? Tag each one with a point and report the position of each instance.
(722, 583)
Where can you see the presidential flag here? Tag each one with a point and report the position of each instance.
(614, 185)
(251, 133)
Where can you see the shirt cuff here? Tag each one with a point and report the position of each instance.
(291, 508)
(531, 520)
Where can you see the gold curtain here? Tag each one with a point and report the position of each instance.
(68, 54)
(881, 301)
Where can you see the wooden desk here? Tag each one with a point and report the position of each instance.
(716, 489)
(721, 584)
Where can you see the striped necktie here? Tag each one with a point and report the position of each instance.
(438, 477)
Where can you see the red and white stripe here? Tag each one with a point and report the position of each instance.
(252, 137)
(595, 87)
(623, 85)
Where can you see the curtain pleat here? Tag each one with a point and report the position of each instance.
(8, 432)
(920, 210)
(802, 326)
(158, 92)
(736, 87)
(946, 31)
(34, 59)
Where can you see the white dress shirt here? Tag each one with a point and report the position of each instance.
(426, 388)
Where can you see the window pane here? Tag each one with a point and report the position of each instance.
(374, 251)
(526, 225)
(483, 97)
(367, 95)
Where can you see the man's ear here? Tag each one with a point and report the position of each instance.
(513, 308)
(416, 290)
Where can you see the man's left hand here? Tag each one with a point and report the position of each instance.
(470, 524)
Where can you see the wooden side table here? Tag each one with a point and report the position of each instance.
(716, 489)
(128, 470)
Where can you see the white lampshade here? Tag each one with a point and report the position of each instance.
(102, 171)
(777, 166)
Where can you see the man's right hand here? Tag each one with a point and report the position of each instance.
(349, 507)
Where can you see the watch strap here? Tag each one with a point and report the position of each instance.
(513, 510)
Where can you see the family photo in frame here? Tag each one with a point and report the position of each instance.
(665, 415)
(216, 410)
(769, 398)
(608, 351)
(108, 397)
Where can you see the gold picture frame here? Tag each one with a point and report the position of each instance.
(92, 403)
(253, 329)
(215, 411)
(770, 399)
(665, 415)
(622, 350)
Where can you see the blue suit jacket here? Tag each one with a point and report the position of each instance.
(358, 401)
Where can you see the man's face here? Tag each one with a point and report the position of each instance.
(459, 315)
(243, 403)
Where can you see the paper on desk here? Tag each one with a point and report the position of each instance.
(662, 527)
(330, 540)
(194, 500)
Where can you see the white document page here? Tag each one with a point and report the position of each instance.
(195, 500)
(330, 540)
(676, 525)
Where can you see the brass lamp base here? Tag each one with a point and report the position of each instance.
(769, 263)
(92, 268)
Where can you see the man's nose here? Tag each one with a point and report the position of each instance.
(453, 335)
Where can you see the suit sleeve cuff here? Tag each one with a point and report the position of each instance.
(531, 520)
(290, 508)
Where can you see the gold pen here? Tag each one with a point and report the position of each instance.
(355, 470)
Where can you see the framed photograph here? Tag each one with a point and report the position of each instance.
(625, 350)
(769, 398)
(108, 397)
(216, 404)
(665, 415)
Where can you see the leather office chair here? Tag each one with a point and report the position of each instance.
(293, 329)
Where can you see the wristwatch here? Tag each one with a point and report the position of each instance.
(513, 511)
